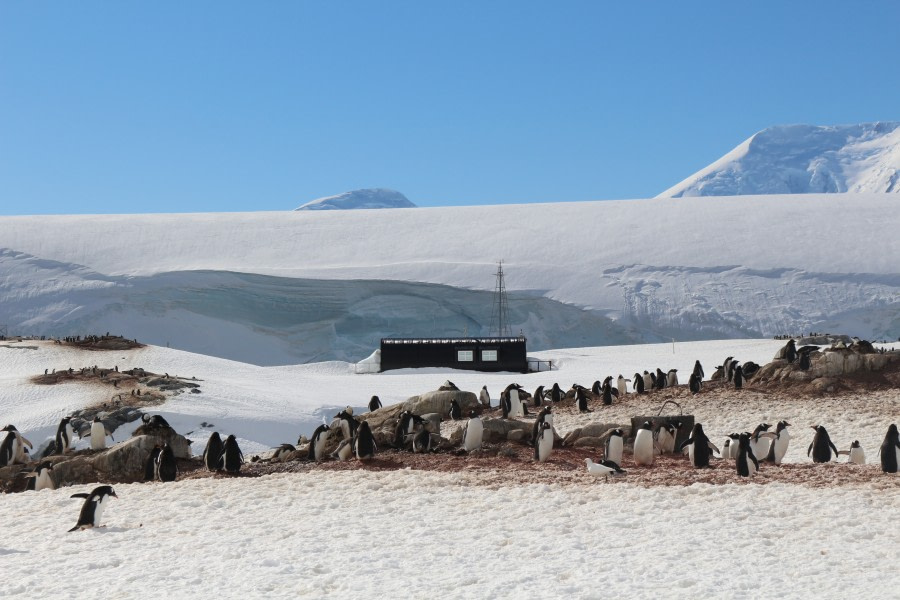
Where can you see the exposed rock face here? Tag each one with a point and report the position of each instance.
(439, 402)
(827, 366)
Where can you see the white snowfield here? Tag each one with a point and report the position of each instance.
(803, 159)
(423, 534)
(689, 268)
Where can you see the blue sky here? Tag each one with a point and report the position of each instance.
(125, 107)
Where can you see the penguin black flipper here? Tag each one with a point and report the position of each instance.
(808, 450)
(833, 447)
(79, 495)
(685, 444)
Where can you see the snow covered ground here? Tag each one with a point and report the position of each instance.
(306, 286)
(457, 535)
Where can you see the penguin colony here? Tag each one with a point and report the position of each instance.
(766, 443)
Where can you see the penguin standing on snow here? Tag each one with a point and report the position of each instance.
(856, 452)
(364, 442)
(543, 445)
(166, 466)
(92, 509)
(212, 454)
(455, 410)
(759, 443)
(538, 396)
(473, 433)
(150, 464)
(64, 436)
(484, 397)
(746, 462)
(779, 444)
(821, 446)
(8, 449)
(890, 450)
(614, 446)
(317, 443)
(374, 403)
(621, 385)
(700, 449)
(643, 445)
(232, 457)
(98, 434)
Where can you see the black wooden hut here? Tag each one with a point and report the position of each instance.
(473, 354)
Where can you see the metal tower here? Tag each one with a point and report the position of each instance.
(500, 310)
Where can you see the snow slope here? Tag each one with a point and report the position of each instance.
(695, 268)
(366, 198)
(803, 159)
(420, 534)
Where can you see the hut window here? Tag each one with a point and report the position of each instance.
(465, 355)
(489, 355)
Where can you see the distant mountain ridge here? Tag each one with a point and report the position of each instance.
(803, 159)
(365, 198)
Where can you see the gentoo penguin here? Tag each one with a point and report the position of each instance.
(406, 425)
(473, 432)
(18, 443)
(760, 445)
(364, 442)
(699, 447)
(282, 451)
(40, 479)
(484, 397)
(538, 396)
(98, 434)
(545, 416)
(649, 380)
(155, 421)
(665, 436)
(166, 467)
(672, 378)
(317, 443)
(621, 385)
(543, 445)
(746, 461)
(856, 452)
(738, 377)
(345, 421)
(821, 446)
(556, 394)
(94, 504)
(604, 468)
(661, 379)
(779, 443)
(790, 351)
(422, 441)
(638, 383)
(150, 464)
(805, 361)
(64, 436)
(614, 445)
(726, 367)
(212, 454)
(455, 410)
(607, 391)
(698, 370)
(643, 445)
(595, 389)
(510, 401)
(726, 448)
(344, 451)
(733, 446)
(581, 399)
(719, 374)
(232, 457)
(694, 383)
(890, 450)
(374, 403)
(8, 449)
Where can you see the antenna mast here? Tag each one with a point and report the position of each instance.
(500, 310)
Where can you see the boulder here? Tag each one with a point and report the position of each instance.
(589, 442)
(439, 402)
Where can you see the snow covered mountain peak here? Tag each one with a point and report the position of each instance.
(803, 159)
(365, 198)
